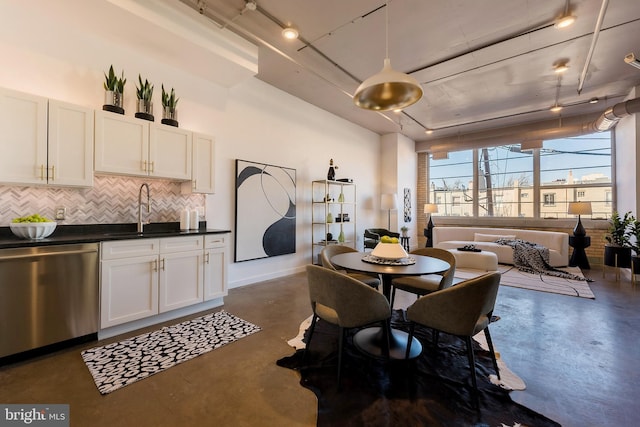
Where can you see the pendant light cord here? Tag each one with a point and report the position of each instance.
(386, 11)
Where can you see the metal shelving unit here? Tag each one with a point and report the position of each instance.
(333, 212)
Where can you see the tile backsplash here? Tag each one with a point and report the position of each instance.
(112, 200)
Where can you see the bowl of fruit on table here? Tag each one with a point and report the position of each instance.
(32, 227)
(389, 248)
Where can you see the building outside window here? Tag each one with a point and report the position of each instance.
(502, 180)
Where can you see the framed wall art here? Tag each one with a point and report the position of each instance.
(265, 210)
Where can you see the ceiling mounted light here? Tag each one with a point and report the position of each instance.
(566, 19)
(389, 89)
(556, 108)
(428, 131)
(632, 60)
(560, 67)
(290, 33)
(593, 101)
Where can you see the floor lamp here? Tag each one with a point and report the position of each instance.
(429, 208)
(389, 202)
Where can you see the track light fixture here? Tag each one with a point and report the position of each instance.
(560, 67)
(290, 33)
(632, 60)
(556, 108)
(566, 19)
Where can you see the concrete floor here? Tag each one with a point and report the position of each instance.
(578, 357)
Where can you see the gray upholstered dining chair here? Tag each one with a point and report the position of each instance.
(422, 285)
(346, 302)
(462, 310)
(331, 250)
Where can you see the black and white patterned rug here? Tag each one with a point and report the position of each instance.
(116, 365)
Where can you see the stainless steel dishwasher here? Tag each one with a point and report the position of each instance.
(48, 294)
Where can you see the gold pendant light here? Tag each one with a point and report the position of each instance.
(389, 89)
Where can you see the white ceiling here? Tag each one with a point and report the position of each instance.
(482, 64)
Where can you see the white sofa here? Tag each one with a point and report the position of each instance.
(484, 238)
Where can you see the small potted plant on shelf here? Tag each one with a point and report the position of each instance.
(114, 89)
(404, 229)
(145, 103)
(169, 112)
(617, 250)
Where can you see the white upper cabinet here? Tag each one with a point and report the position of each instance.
(122, 144)
(70, 155)
(45, 141)
(130, 146)
(203, 176)
(170, 152)
(23, 136)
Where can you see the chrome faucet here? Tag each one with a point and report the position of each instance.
(140, 203)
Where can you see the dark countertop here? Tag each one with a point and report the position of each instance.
(91, 233)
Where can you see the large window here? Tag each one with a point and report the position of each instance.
(501, 181)
(504, 173)
(578, 169)
(451, 183)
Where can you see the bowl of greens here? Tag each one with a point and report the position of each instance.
(32, 227)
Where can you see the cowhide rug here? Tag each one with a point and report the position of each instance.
(432, 390)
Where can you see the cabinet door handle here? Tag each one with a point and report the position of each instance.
(53, 173)
(193, 184)
(162, 264)
(155, 265)
(151, 165)
(41, 172)
(207, 258)
(144, 165)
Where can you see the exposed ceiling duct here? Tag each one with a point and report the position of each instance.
(612, 115)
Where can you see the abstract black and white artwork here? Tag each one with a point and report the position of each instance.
(265, 210)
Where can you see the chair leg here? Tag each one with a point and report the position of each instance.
(493, 353)
(393, 296)
(409, 339)
(340, 346)
(311, 329)
(472, 362)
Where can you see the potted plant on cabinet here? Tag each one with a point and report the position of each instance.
(617, 250)
(145, 103)
(404, 229)
(114, 88)
(169, 112)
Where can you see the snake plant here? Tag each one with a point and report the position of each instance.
(145, 91)
(169, 100)
(113, 83)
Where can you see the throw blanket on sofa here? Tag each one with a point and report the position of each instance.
(534, 258)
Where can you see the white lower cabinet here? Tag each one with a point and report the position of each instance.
(181, 272)
(128, 281)
(140, 278)
(215, 260)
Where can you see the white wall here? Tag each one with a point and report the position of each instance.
(627, 136)
(250, 121)
(399, 171)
